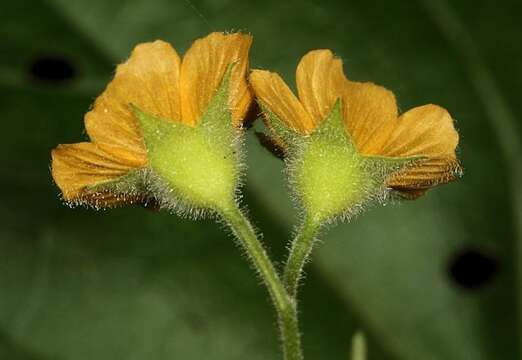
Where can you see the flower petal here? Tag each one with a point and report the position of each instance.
(272, 91)
(75, 167)
(369, 112)
(150, 80)
(424, 174)
(320, 82)
(426, 131)
(202, 71)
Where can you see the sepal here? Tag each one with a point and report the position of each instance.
(127, 189)
(194, 169)
(282, 134)
(332, 130)
(331, 179)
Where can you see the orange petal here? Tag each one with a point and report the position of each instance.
(369, 112)
(320, 82)
(272, 91)
(150, 80)
(76, 167)
(202, 71)
(424, 131)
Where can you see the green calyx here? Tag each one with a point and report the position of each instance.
(191, 169)
(330, 177)
(194, 169)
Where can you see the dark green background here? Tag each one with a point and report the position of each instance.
(134, 284)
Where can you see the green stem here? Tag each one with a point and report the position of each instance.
(284, 304)
(299, 253)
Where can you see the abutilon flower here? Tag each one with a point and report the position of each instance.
(346, 141)
(150, 127)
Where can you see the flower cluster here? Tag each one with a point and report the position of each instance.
(168, 129)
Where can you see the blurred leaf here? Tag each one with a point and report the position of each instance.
(132, 284)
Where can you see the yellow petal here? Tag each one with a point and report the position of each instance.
(320, 82)
(272, 91)
(76, 167)
(202, 71)
(424, 131)
(150, 80)
(369, 112)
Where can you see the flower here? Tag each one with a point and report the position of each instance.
(371, 121)
(154, 83)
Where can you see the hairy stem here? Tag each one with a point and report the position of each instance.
(284, 304)
(299, 253)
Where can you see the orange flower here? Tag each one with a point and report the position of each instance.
(370, 117)
(156, 81)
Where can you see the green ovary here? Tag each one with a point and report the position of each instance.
(202, 172)
(331, 180)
